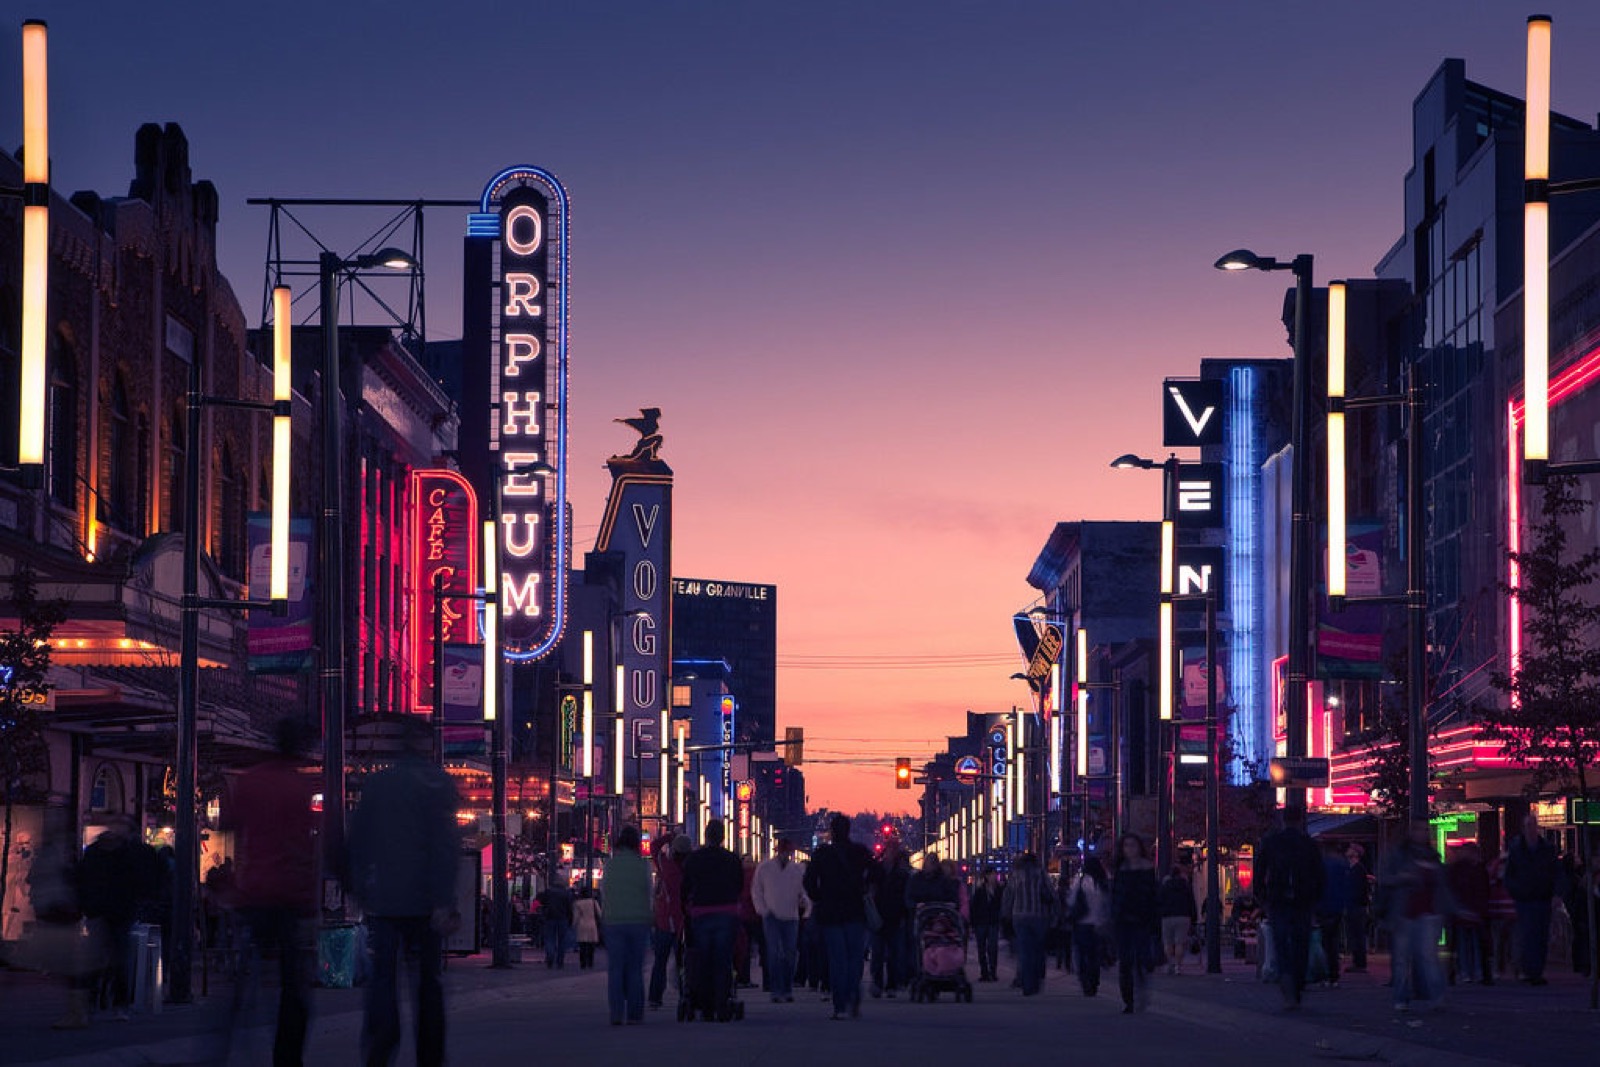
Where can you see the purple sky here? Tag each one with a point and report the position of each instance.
(902, 277)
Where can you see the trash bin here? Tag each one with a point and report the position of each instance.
(338, 955)
(144, 967)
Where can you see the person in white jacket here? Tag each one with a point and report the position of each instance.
(1089, 914)
(778, 893)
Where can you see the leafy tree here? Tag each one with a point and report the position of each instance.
(1551, 719)
(24, 665)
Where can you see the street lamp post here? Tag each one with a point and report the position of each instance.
(1297, 673)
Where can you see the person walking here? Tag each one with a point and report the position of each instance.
(1136, 920)
(1413, 895)
(1089, 915)
(780, 899)
(1175, 900)
(1468, 879)
(837, 881)
(555, 914)
(713, 880)
(1289, 880)
(667, 911)
(985, 905)
(1332, 907)
(117, 876)
(586, 925)
(1532, 870)
(1502, 920)
(1358, 904)
(404, 850)
(1026, 905)
(625, 884)
(889, 941)
(274, 883)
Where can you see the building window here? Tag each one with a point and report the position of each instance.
(180, 340)
(63, 415)
(121, 471)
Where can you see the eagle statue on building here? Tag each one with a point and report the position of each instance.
(647, 450)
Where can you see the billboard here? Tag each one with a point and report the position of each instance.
(462, 710)
(444, 546)
(281, 644)
(1350, 641)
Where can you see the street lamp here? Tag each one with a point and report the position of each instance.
(332, 270)
(35, 243)
(1297, 674)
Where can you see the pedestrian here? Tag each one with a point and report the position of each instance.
(837, 880)
(713, 881)
(1573, 885)
(404, 850)
(1413, 895)
(54, 938)
(1532, 870)
(1136, 919)
(1502, 922)
(555, 914)
(1332, 907)
(749, 944)
(1027, 905)
(1089, 915)
(1359, 903)
(780, 899)
(586, 925)
(1289, 879)
(1175, 899)
(273, 882)
(625, 884)
(117, 876)
(666, 936)
(1468, 879)
(986, 924)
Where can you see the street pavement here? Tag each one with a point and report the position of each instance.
(530, 1013)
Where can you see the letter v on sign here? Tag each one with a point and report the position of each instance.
(645, 522)
(1191, 412)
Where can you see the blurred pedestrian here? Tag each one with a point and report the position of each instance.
(1089, 915)
(891, 941)
(586, 925)
(1027, 905)
(1136, 919)
(986, 924)
(1502, 922)
(1289, 879)
(780, 898)
(837, 880)
(748, 944)
(625, 884)
(274, 881)
(1413, 896)
(1532, 870)
(405, 848)
(1468, 879)
(555, 912)
(1332, 907)
(55, 941)
(713, 880)
(1358, 907)
(117, 877)
(666, 935)
(1175, 899)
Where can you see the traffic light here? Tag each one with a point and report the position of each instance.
(902, 773)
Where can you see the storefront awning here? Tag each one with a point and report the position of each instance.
(1341, 825)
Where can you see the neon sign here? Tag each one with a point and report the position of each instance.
(444, 546)
(525, 210)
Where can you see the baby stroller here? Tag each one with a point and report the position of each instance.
(939, 939)
(694, 1001)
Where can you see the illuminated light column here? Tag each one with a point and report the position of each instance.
(1337, 523)
(683, 741)
(282, 387)
(1056, 728)
(35, 242)
(1168, 550)
(1536, 252)
(621, 730)
(588, 704)
(663, 756)
(491, 623)
(1083, 705)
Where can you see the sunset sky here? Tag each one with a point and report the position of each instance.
(903, 277)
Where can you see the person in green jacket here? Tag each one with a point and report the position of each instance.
(625, 884)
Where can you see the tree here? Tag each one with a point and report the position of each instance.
(1551, 719)
(24, 666)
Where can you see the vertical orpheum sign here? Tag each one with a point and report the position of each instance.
(524, 210)
(444, 545)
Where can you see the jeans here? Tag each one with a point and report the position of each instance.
(782, 938)
(1086, 942)
(846, 944)
(665, 946)
(1291, 943)
(555, 942)
(1030, 953)
(290, 936)
(1135, 960)
(1466, 939)
(625, 944)
(888, 956)
(1355, 933)
(1332, 928)
(987, 940)
(1417, 975)
(391, 936)
(1533, 937)
(711, 940)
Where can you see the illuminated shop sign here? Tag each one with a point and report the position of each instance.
(699, 587)
(444, 547)
(525, 210)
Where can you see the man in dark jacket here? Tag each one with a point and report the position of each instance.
(1332, 906)
(404, 851)
(117, 875)
(985, 910)
(1360, 900)
(555, 918)
(1289, 878)
(713, 882)
(892, 941)
(1532, 870)
(837, 881)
